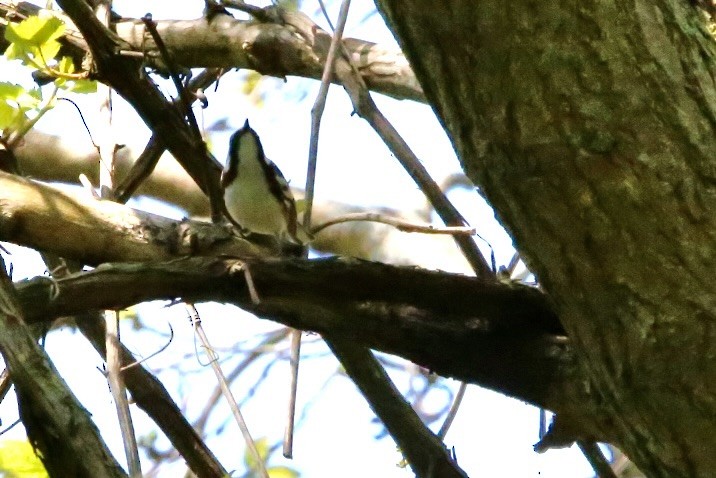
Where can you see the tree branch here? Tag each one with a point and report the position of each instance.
(48, 158)
(94, 231)
(267, 48)
(151, 396)
(424, 451)
(497, 335)
(125, 75)
(503, 337)
(57, 425)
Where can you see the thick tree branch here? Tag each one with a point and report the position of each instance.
(504, 337)
(93, 231)
(509, 332)
(267, 48)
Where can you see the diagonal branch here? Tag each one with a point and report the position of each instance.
(151, 396)
(57, 425)
(124, 74)
(366, 108)
(425, 452)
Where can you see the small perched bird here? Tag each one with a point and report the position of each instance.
(256, 194)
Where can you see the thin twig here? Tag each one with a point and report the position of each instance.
(199, 330)
(112, 343)
(317, 110)
(119, 393)
(325, 14)
(316, 114)
(152, 397)
(366, 108)
(447, 212)
(403, 226)
(17, 135)
(257, 352)
(253, 293)
(186, 101)
(294, 361)
(10, 427)
(5, 384)
(454, 407)
(137, 363)
(513, 263)
(542, 423)
(89, 187)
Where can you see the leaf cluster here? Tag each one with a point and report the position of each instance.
(34, 43)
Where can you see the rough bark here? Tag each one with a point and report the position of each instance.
(503, 317)
(496, 335)
(590, 129)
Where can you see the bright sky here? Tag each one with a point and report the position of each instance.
(492, 435)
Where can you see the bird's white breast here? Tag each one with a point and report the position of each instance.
(250, 203)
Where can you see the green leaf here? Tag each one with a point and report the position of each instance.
(18, 460)
(24, 53)
(35, 31)
(47, 51)
(9, 91)
(7, 115)
(263, 448)
(34, 40)
(25, 99)
(82, 86)
(29, 100)
(66, 66)
(14, 51)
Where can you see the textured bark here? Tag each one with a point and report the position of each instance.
(589, 126)
(497, 335)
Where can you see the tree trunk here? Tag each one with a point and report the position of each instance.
(589, 126)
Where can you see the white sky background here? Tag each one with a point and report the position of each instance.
(492, 435)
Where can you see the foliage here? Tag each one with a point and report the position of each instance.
(34, 42)
(18, 460)
(262, 446)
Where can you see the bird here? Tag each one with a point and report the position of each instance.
(256, 194)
